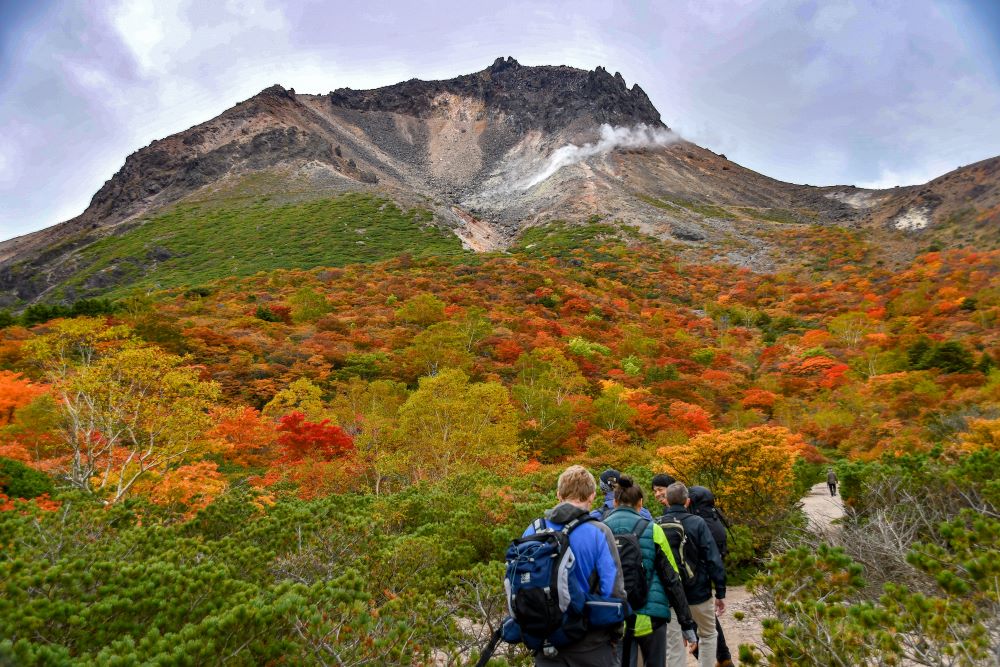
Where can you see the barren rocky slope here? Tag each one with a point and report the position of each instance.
(489, 154)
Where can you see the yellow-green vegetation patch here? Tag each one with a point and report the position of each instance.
(194, 243)
(781, 215)
(559, 238)
(668, 202)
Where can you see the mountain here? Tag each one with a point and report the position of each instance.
(476, 159)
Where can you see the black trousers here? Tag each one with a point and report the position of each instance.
(652, 646)
(833, 488)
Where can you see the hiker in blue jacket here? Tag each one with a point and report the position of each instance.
(598, 568)
(609, 482)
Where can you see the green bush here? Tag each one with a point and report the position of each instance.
(19, 481)
(347, 578)
(917, 580)
(807, 475)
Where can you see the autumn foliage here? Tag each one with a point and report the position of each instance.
(409, 370)
(750, 470)
(327, 456)
(16, 391)
(302, 440)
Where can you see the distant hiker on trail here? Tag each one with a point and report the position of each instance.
(651, 580)
(831, 481)
(703, 504)
(609, 482)
(701, 569)
(594, 573)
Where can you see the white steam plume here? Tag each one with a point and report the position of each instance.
(640, 136)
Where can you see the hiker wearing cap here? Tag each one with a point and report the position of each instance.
(609, 482)
(702, 503)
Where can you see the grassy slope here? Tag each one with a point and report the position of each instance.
(207, 241)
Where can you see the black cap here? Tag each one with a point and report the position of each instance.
(609, 480)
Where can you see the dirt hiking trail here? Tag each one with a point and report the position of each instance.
(821, 509)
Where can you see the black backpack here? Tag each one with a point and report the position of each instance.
(684, 549)
(633, 569)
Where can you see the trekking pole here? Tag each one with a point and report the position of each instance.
(490, 648)
(627, 641)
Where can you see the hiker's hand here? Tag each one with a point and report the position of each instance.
(690, 640)
(720, 607)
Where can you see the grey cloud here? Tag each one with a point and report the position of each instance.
(818, 92)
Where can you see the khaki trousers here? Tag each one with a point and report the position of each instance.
(708, 637)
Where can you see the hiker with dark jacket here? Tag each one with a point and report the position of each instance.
(665, 590)
(609, 482)
(709, 573)
(831, 481)
(703, 504)
(597, 567)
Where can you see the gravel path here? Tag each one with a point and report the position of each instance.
(822, 510)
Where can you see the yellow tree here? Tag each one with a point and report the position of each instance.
(545, 381)
(131, 412)
(982, 434)
(449, 425)
(850, 327)
(613, 412)
(75, 342)
(749, 470)
(439, 346)
(301, 395)
(423, 309)
(369, 412)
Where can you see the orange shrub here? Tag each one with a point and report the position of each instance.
(749, 470)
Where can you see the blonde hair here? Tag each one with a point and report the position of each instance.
(576, 483)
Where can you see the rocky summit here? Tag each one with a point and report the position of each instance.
(483, 157)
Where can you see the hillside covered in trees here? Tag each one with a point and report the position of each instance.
(324, 465)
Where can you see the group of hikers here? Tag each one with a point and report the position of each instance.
(599, 587)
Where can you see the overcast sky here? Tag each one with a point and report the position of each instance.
(870, 92)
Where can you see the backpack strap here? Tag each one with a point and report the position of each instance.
(638, 529)
(569, 527)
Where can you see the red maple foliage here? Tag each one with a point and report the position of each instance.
(301, 439)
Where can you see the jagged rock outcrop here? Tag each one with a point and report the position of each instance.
(544, 98)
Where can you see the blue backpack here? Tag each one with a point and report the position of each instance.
(548, 608)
